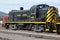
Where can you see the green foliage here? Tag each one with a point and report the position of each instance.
(0, 18)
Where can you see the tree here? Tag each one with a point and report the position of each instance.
(0, 18)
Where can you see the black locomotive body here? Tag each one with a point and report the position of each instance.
(19, 16)
(36, 18)
(36, 13)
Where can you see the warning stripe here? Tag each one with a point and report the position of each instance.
(56, 16)
(50, 17)
(53, 21)
(49, 14)
(56, 12)
(50, 20)
(50, 10)
(52, 13)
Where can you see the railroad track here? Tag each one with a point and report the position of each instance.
(31, 34)
(4, 38)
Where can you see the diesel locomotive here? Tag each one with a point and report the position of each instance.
(40, 18)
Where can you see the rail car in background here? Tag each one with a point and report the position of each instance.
(5, 19)
(40, 18)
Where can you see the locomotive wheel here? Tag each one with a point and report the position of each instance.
(58, 29)
(38, 28)
(6, 26)
(33, 27)
(12, 27)
(19, 27)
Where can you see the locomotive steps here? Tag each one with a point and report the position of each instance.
(32, 34)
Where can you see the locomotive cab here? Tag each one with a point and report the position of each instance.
(39, 12)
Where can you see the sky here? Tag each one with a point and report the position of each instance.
(8, 5)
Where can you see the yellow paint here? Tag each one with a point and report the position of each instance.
(49, 14)
(58, 23)
(47, 29)
(28, 22)
(24, 14)
(19, 15)
(50, 10)
(49, 17)
(32, 17)
(50, 20)
(54, 30)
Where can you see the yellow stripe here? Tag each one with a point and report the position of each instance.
(32, 17)
(49, 17)
(49, 14)
(50, 20)
(28, 22)
(56, 12)
(50, 10)
(53, 20)
(56, 15)
(54, 30)
(47, 30)
(58, 23)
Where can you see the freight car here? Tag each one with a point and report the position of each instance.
(40, 17)
(5, 19)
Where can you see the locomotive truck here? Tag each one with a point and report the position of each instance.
(42, 18)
